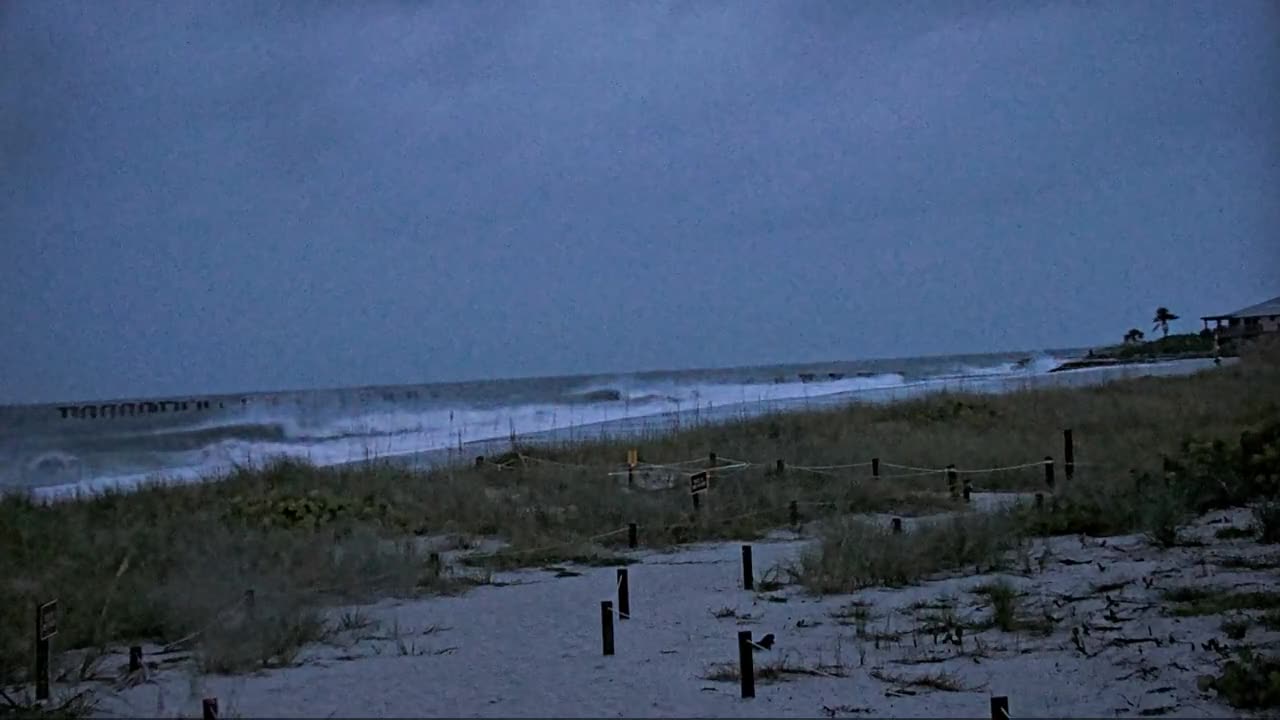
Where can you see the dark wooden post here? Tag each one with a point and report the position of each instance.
(953, 485)
(135, 658)
(210, 708)
(631, 476)
(479, 461)
(434, 564)
(896, 524)
(1039, 501)
(697, 504)
(746, 666)
(782, 467)
(606, 625)
(748, 576)
(42, 656)
(711, 460)
(633, 535)
(1068, 455)
(794, 509)
(250, 603)
(624, 595)
(968, 487)
(1048, 472)
(1000, 708)
(875, 467)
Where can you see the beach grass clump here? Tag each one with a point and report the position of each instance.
(853, 553)
(1003, 598)
(267, 637)
(1267, 520)
(1250, 681)
(1191, 600)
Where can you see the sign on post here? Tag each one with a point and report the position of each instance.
(699, 482)
(48, 620)
(633, 458)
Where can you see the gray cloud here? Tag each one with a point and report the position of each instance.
(218, 196)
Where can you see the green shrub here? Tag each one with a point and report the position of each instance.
(1250, 682)
(1267, 515)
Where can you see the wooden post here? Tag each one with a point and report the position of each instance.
(250, 603)
(135, 658)
(479, 461)
(782, 467)
(748, 576)
(1068, 455)
(711, 460)
(1000, 708)
(953, 485)
(896, 524)
(697, 505)
(633, 535)
(794, 509)
(42, 657)
(746, 666)
(631, 476)
(968, 487)
(606, 625)
(1039, 501)
(210, 706)
(434, 564)
(875, 467)
(1048, 472)
(624, 595)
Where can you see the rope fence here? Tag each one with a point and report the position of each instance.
(715, 467)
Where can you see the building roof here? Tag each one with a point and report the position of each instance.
(1270, 307)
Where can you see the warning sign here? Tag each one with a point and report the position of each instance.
(699, 482)
(47, 620)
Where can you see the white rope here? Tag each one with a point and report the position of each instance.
(922, 473)
(816, 471)
(1023, 466)
(674, 466)
(849, 466)
(912, 467)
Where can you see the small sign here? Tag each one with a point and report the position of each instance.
(699, 482)
(47, 620)
(633, 458)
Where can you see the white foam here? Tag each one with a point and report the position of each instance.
(393, 433)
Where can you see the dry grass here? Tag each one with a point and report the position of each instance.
(777, 669)
(302, 536)
(853, 553)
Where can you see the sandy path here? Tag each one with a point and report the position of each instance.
(533, 648)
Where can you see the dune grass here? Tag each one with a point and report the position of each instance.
(165, 561)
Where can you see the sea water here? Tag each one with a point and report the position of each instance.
(66, 447)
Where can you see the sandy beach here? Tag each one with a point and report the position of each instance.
(530, 644)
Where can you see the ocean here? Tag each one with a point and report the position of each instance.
(61, 448)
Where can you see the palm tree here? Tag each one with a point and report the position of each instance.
(1163, 316)
(1134, 335)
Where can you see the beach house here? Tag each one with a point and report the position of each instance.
(1249, 322)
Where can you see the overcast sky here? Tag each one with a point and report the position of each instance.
(220, 196)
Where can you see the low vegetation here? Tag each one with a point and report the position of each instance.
(854, 553)
(170, 563)
(1250, 681)
(1211, 600)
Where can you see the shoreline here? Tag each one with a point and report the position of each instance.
(671, 422)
